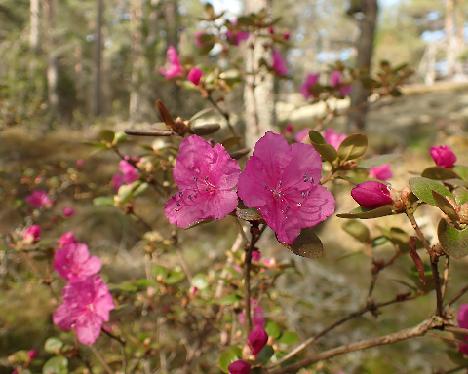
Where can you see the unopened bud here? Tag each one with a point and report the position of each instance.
(204, 128)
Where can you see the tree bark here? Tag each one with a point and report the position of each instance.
(365, 43)
(98, 59)
(135, 94)
(259, 87)
(34, 26)
(52, 61)
(451, 37)
(171, 12)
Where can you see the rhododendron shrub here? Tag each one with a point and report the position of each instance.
(198, 302)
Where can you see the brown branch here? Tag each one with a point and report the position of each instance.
(458, 295)
(150, 133)
(402, 335)
(222, 112)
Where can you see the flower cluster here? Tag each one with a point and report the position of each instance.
(86, 300)
(39, 199)
(281, 180)
(127, 174)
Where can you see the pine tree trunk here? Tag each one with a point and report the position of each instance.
(258, 91)
(34, 26)
(451, 37)
(171, 11)
(365, 43)
(52, 61)
(98, 59)
(135, 93)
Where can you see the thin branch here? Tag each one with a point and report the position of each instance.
(458, 295)
(402, 335)
(457, 330)
(103, 363)
(223, 113)
(150, 133)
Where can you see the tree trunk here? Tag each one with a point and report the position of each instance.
(34, 26)
(171, 11)
(365, 43)
(52, 61)
(451, 37)
(98, 59)
(258, 91)
(459, 37)
(135, 94)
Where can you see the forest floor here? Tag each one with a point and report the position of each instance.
(328, 287)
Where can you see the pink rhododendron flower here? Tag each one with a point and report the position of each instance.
(86, 305)
(68, 211)
(199, 38)
(443, 156)
(127, 174)
(279, 63)
(194, 75)
(206, 178)
(336, 81)
(301, 136)
(32, 354)
(282, 182)
(257, 339)
(256, 255)
(462, 318)
(39, 199)
(333, 138)
(32, 234)
(67, 238)
(239, 367)
(73, 262)
(371, 194)
(235, 36)
(310, 81)
(173, 68)
(382, 172)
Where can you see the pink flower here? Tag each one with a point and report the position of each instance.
(286, 35)
(32, 354)
(382, 172)
(256, 255)
(279, 63)
(39, 199)
(235, 36)
(127, 174)
(86, 305)
(443, 156)
(289, 129)
(80, 163)
(258, 315)
(68, 211)
(199, 38)
(174, 68)
(73, 262)
(257, 339)
(239, 367)
(371, 194)
(195, 74)
(301, 136)
(282, 182)
(334, 138)
(32, 234)
(336, 81)
(462, 318)
(66, 238)
(310, 81)
(206, 178)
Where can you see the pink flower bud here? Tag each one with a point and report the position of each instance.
(287, 35)
(239, 367)
(68, 211)
(32, 354)
(67, 238)
(302, 136)
(382, 172)
(32, 234)
(256, 255)
(194, 75)
(80, 163)
(279, 64)
(443, 156)
(371, 194)
(462, 318)
(257, 339)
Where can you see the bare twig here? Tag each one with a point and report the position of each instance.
(223, 113)
(101, 360)
(458, 295)
(150, 132)
(402, 335)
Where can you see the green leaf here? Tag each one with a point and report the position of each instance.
(439, 173)
(378, 160)
(53, 346)
(353, 147)
(398, 236)
(265, 354)
(104, 201)
(119, 137)
(357, 230)
(422, 187)
(56, 365)
(288, 338)
(325, 150)
(307, 244)
(462, 171)
(248, 214)
(461, 195)
(229, 355)
(273, 330)
(231, 76)
(201, 128)
(106, 136)
(454, 241)
(229, 299)
(128, 192)
(445, 206)
(200, 281)
(365, 213)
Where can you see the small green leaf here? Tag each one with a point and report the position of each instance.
(357, 230)
(119, 137)
(56, 365)
(398, 236)
(445, 206)
(53, 346)
(229, 355)
(365, 213)
(325, 150)
(231, 76)
(461, 195)
(273, 330)
(104, 201)
(229, 299)
(422, 187)
(265, 354)
(200, 281)
(353, 147)
(106, 136)
(201, 128)
(454, 241)
(307, 244)
(462, 171)
(439, 173)
(288, 338)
